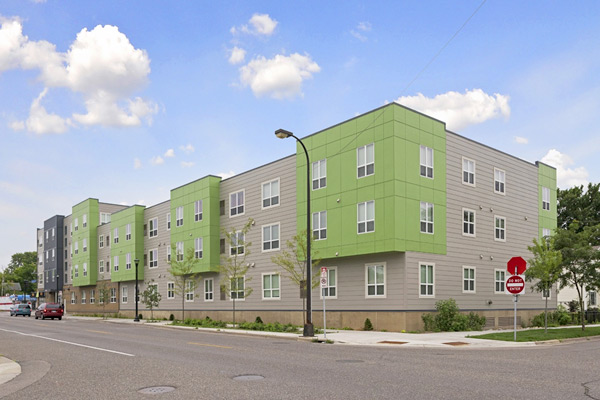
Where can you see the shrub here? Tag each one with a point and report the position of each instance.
(171, 317)
(258, 320)
(449, 318)
(574, 306)
(368, 325)
(555, 318)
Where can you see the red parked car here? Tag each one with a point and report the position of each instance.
(49, 310)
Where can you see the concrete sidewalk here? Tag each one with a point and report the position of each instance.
(8, 370)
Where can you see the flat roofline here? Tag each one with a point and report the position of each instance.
(195, 180)
(260, 166)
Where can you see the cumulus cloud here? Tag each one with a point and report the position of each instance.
(237, 55)
(279, 77)
(460, 110)
(187, 149)
(169, 153)
(521, 140)
(158, 160)
(260, 24)
(226, 175)
(101, 65)
(359, 31)
(187, 164)
(137, 164)
(17, 125)
(566, 175)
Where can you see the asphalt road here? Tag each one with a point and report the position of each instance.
(79, 359)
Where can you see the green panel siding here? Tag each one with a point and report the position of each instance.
(546, 178)
(396, 185)
(133, 215)
(207, 190)
(89, 208)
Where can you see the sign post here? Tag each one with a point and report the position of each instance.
(515, 284)
(324, 286)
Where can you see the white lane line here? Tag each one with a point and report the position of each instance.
(71, 343)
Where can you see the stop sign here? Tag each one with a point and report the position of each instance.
(515, 284)
(516, 266)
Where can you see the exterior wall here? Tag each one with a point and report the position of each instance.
(89, 308)
(41, 258)
(85, 259)
(53, 245)
(134, 246)
(546, 179)
(68, 252)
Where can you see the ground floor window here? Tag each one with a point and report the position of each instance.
(426, 288)
(375, 280)
(189, 292)
(170, 290)
(237, 288)
(124, 295)
(270, 286)
(208, 289)
(113, 295)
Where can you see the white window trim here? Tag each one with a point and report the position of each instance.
(426, 296)
(196, 213)
(100, 265)
(262, 194)
(201, 241)
(213, 289)
(366, 163)
(503, 281)
(238, 299)
(504, 182)
(474, 234)
(474, 291)
(101, 241)
(172, 291)
(150, 260)
(262, 241)
(366, 221)
(329, 286)
(462, 172)
(318, 214)
(124, 289)
(544, 191)
(154, 227)
(177, 224)
(426, 220)
(186, 292)
(375, 296)
(238, 246)
(168, 221)
(318, 164)
(421, 164)
(262, 284)
(495, 238)
(229, 199)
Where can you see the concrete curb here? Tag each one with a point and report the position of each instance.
(8, 370)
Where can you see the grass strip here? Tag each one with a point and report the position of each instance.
(536, 335)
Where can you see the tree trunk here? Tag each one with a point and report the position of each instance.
(581, 313)
(234, 312)
(183, 306)
(546, 316)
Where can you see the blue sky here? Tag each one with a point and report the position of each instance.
(123, 101)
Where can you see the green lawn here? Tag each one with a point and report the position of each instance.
(535, 335)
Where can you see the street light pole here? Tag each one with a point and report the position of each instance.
(308, 325)
(137, 316)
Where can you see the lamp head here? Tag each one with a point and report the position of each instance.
(283, 134)
(136, 261)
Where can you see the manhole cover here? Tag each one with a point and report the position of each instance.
(248, 378)
(349, 361)
(392, 342)
(456, 344)
(157, 390)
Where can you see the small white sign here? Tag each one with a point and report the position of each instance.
(323, 277)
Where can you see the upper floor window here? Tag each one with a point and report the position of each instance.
(365, 157)
(101, 241)
(84, 220)
(104, 218)
(319, 174)
(319, 225)
(100, 266)
(84, 269)
(153, 258)
(237, 244)
(153, 227)
(116, 263)
(168, 253)
(179, 216)
(545, 199)
(426, 162)
(169, 221)
(270, 237)
(47, 235)
(468, 222)
(128, 232)
(116, 235)
(128, 261)
(76, 224)
(236, 203)
(546, 232)
(179, 251)
(198, 210)
(76, 248)
(468, 171)
(426, 217)
(198, 244)
(84, 245)
(500, 228)
(499, 180)
(270, 194)
(366, 217)
(53, 232)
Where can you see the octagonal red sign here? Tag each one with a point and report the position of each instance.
(516, 266)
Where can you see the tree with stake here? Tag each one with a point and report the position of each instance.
(545, 269)
(103, 295)
(182, 270)
(151, 297)
(233, 266)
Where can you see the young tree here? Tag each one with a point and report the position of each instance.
(182, 270)
(545, 269)
(151, 297)
(103, 295)
(22, 269)
(233, 267)
(579, 260)
(293, 261)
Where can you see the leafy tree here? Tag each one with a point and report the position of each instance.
(581, 206)
(151, 297)
(579, 260)
(22, 269)
(103, 289)
(233, 267)
(545, 269)
(293, 261)
(182, 270)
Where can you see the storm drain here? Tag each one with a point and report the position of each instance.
(157, 390)
(349, 361)
(391, 342)
(456, 344)
(248, 378)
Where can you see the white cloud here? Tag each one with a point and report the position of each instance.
(137, 164)
(566, 177)
(41, 122)
(226, 175)
(261, 24)
(169, 153)
(460, 110)
(279, 77)
(17, 125)
(187, 164)
(188, 148)
(364, 26)
(521, 140)
(361, 27)
(237, 55)
(158, 160)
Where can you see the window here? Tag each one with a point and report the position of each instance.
(270, 286)
(108, 266)
(153, 227)
(499, 181)
(101, 241)
(500, 228)
(84, 246)
(124, 295)
(113, 295)
(73, 298)
(592, 298)
(499, 279)
(375, 280)
(47, 233)
(198, 211)
(189, 292)
(426, 280)
(170, 290)
(198, 247)
(169, 221)
(128, 261)
(468, 280)
(545, 199)
(236, 203)
(92, 296)
(83, 297)
(116, 264)
(100, 266)
(107, 240)
(179, 251)
(128, 232)
(270, 237)
(84, 220)
(208, 289)
(468, 222)
(52, 232)
(426, 162)
(54, 252)
(237, 288)
(468, 171)
(546, 232)
(153, 258)
(116, 235)
(169, 253)
(366, 217)
(319, 174)
(426, 217)
(76, 224)
(76, 272)
(319, 225)
(104, 218)
(84, 269)
(76, 249)
(237, 244)
(330, 291)
(179, 216)
(365, 160)
(270, 194)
